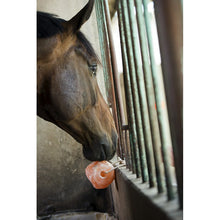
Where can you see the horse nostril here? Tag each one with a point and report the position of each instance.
(108, 151)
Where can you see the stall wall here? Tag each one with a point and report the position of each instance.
(61, 181)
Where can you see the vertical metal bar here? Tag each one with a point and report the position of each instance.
(150, 95)
(134, 160)
(127, 142)
(129, 99)
(121, 152)
(142, 95)
(103, 37)
(114, 63)
(103, 41)
(161, 104)
(125, 148)
(104, 50)
(135, 96)
(115, 78)
(170, 32)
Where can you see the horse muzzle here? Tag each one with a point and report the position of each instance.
(102, 149)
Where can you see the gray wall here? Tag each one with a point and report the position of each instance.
(61, 180)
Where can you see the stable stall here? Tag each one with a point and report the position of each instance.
(140, 47)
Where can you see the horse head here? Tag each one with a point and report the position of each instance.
(67, 91)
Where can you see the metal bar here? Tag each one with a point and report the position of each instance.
(161, 103)
(116, 79)
(129, 149)
(114, 63)
(135, 159)
(103, 37)
(104, 49)
(150, 95)
(134, 166)
(170, 32)
(135, 96)
(133, 163)
(142, 94)
(125, 150)
(120, 133)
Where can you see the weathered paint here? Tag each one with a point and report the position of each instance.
(135, 95)
(150, 95)
(106, 57)
(129, 99)
(170, 33)
(142, 95)
(160, 98)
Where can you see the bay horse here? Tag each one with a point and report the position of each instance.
(67, 90)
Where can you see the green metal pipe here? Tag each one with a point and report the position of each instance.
(150, 95)
(106, 61)
(129, 99)
(114, 63)
(128, 150)
(142, 94)
(161, 103)
(130, 156)
(123, 147)
(102, 39)
(134, 167)
(137, 110)
(169, 17)
(117, 85)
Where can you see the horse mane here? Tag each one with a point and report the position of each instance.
(49, 25)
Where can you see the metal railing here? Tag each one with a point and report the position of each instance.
(145, 138)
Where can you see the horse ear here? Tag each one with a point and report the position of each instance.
(81, 17)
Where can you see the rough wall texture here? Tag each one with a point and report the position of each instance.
(61, 182)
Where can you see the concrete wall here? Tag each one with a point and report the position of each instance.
(61, 180)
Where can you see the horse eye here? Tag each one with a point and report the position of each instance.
(93, 69)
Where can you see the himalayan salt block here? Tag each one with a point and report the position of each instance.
(100, 174)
